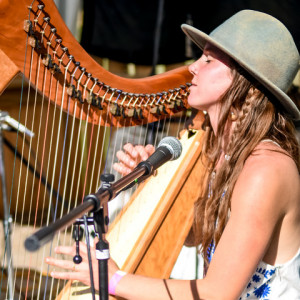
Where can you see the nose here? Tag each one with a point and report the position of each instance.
(193, 69)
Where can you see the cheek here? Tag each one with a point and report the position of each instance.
(201, 97)
(221, 78)
(219, 83)
(210, 87)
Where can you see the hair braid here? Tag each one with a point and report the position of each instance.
(258, 119)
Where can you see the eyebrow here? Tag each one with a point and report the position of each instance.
(211, 50)
(217, 53)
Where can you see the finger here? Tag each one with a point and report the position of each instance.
(67, 250)
(66, 275)
(83, 277)
(120, 168)
(126, 159)
(64, 264)
(83, 248)
(142, 152)
(130, 149)
(71, 250)
(150, 149)
(84, 251)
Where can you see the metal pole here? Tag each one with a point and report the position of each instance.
(6, 222)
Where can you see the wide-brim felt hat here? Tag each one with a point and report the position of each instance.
(262, 46)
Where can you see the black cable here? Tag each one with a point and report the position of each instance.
(89, 257)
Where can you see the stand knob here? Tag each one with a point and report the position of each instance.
(107, 178)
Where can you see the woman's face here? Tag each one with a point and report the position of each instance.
(212, 77)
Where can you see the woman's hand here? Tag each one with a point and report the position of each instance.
(131, 157)
(80, 271)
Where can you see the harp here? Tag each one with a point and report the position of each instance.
(71, 105)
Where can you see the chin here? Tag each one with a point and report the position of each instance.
(193, 102)
(196, 105)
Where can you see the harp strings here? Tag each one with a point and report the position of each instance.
(54, 213)
(35, 163)
(69, 153)
(61, 169)
(20, 188)
(6, 234)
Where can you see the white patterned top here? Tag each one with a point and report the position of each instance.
(281, 281)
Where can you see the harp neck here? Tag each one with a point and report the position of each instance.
(36, 28)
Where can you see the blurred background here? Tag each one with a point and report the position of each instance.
(138, 38)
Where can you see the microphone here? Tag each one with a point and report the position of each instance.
(169, 148)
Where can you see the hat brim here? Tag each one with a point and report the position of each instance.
(200, 39)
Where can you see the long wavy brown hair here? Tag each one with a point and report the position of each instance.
(260, 117)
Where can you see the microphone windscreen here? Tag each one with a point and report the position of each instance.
(173, 145)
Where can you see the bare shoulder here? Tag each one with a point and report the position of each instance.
(266, 197)
(268, 157)
(269, 174)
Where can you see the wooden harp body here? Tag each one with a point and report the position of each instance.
(70, 104)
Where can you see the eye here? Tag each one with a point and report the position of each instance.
(206, 59)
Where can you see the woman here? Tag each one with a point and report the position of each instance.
(248, 219)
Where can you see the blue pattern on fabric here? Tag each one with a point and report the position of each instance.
(263, 291)
(210, 251)
(256, 278)
(259, 285)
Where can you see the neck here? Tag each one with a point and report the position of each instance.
(228, 130)
(225, 140)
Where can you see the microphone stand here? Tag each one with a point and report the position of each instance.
(91, 203)
(102, 252)
(98, 204)
(101, 221)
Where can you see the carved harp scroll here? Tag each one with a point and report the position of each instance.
(74, 74)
